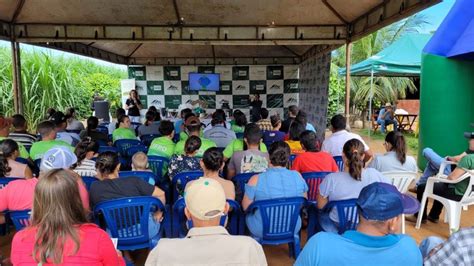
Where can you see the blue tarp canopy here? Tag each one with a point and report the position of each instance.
(400, 59)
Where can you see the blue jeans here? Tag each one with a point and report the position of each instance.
(327, 224)
(432, 166)
(384, 123)
(428, 244)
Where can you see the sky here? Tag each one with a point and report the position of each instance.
(434, 16)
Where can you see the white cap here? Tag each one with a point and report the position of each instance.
(205, 199)
(59, 157)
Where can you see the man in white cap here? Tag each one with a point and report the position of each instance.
(387, 117)
(207, 242)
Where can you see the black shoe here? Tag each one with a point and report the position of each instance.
(413, 219)
(433, 220)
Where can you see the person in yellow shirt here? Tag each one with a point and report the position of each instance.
(296, 129)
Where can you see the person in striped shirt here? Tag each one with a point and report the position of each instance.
(20, 132)
(85, 151)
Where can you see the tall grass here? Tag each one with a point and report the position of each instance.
(56, 81)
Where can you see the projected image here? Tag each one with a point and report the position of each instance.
(203, 82)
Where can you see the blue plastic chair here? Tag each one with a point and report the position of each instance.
(279, 218)
(235, 219)
(148, 139)
(178, 184)
(313, 180)
(107, 148)
(20, 219)
(347, 212)
(290, 162)
(127, 220)
(135, 125)
(158, 165)
(240, 180)
(339, 162)
(124, 144)
(103, 129)
(132, 150)
(148, 177)
(88, 180)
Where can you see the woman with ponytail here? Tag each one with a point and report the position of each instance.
(347, 184)
(85, 151)
(9, 151)
(395, 159)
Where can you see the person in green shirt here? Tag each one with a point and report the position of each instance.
(47, 130)
(5, 125)
(238, 145)
(239, 122)
(122, 130)
(193, 128)
(449, 191)
(164, 145)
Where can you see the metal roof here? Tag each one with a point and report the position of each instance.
(181, 32)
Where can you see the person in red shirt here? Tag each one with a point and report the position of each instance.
(59, 232)
(313, 159)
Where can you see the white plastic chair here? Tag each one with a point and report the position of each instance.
(453, 208)
(401, 180)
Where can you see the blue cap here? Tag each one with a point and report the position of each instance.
(381, 201)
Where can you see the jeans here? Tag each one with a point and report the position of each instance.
(428, 244)
(432, 166)
(384, 122)
(327, 224)
(441, 189)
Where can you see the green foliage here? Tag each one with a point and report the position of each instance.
(56, 81)
(336, 93)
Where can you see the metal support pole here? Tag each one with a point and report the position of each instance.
(371, 96)
(16, 71)
(348, 80)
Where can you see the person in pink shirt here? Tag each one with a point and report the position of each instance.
(9, 151)
(59, 232)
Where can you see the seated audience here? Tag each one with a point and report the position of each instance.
(212, 163)
(48, 140)
(239, 145)
(140, 162)
(149, 127)
(164, 145)
(457, 250)
(276, 182)
(386, 117)
(296, 129)
(17, 196)
(5, 124)
(91, 131)
(193, 128)
(179, 124)
(207, 242)
(347, 184)
(292, 112)
(123, 130)
(302, 118)
(221, 116)
(72, 122)
(275, 134)
(59, 120)
(112, 187)
(239, 122)
(334, 143)
(451, 191)
(377, 240)
(434, 160)
(49, 113)
(219, 133)
(20, 132)
(157, 114)
(59, 232)
(9, 151)
(118, 113)
(264, 123)
(188, 161)
(251, 160)
(395, 159)
(85, 151)
(313, 159)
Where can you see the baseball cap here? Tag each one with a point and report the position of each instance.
(205, 199)
(381, 201)
(192, 121)
(57, 158)
(388, 105)
(58, 118)
(5, 122)
(469, 135)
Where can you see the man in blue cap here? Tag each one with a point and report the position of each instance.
(376, 241)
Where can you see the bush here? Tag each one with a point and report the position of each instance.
(56, 81)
